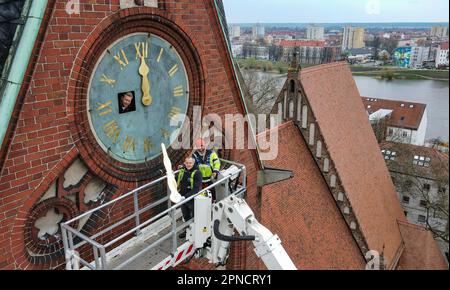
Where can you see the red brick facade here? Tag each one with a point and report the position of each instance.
(44, 138)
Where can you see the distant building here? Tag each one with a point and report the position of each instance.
(353, 38)
(419, 55)
(331, 54)
(439, 32)
(237, 50)
(258, 31)
(419, 175)
(255, 51)
(315, 32)
(309, 51)
(442, 55)
(360, 54)
(235, 31)
(402, 56)
(405, 122)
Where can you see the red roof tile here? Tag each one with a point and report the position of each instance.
(286, 42)
(421, 250)
(302, 211)
(406, 115)
(337, 106)
(444, 46)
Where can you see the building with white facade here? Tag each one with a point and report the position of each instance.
(439, 32)
(259, 31)
(419, 55)
(420, 175)
(235, 31)
(353, 38)
(442, 55)
(406, 123)
(315, 32)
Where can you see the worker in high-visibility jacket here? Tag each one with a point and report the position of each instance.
(189, 182)
(208, 163)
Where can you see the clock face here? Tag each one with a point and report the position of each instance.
(138, 87)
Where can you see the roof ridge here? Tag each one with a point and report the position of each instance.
(279, 127)
(411, 225)
(397, 101)
(322, 67)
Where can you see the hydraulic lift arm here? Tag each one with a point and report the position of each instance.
(215, 224)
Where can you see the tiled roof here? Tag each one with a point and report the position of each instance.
(405, 114)
(421, 250)
(444, 46)
(302, 210)
(336, 103)
(286, 42)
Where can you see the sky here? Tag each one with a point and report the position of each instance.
(336, 11)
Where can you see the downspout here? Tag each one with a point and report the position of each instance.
(19, 64)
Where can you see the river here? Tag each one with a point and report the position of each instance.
(435, 94)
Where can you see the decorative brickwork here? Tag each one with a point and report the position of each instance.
(48, 130)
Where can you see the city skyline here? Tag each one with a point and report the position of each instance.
(320, 11)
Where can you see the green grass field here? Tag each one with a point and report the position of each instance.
(386, 72)
(396, 73)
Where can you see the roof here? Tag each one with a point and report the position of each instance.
(336, 104)
(286, 42)
(321, 239)
(406, 114)
(360, 51)
(380, 114)
(404, 158)
(444, 46)
(421, 250)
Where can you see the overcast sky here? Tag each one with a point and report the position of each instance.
(335, 11)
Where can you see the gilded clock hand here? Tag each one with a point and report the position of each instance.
(144, 71)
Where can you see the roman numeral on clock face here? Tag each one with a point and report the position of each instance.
(148, 145)
(104, 109)
(121, 59)
(160, 55)
(112, 130)
(129, 144)
(173, 71)
(141, 49)
(178, 91)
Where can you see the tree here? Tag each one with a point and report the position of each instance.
(429, 183)
(262, 90)
(376, 46)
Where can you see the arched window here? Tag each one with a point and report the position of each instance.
(312, 134)
(299, 108)
(326, 168)
(305, 117)
(291, 109)
(319, 149)
(292, 86)
(333, 181)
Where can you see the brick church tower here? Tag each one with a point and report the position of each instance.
(66, 137)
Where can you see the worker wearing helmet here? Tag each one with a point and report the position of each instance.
(207, 161)
(189, 182)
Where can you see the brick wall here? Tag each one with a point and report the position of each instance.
(41, 144)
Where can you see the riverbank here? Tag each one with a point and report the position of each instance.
(403, 74)
(390, 73)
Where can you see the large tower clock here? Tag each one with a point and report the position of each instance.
(138, 86)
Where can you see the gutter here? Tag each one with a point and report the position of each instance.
(19, 64)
